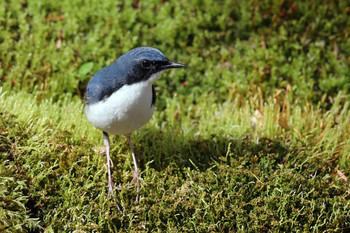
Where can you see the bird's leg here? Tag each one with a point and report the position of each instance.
(110, 182)
(109, 161)
(136, 171)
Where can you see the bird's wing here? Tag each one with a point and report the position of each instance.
(103, 84)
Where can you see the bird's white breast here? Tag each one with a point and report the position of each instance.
(124, 111)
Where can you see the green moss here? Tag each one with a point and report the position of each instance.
(252, 136)
(219, 183)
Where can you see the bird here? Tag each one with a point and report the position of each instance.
(120, 98)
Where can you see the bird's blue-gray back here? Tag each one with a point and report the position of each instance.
(104, 83)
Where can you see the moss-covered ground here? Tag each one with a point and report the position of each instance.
(252, 136)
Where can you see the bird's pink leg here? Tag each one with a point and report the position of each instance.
(110, 182)
(136, 171)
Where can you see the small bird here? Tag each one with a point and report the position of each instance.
(120, 98)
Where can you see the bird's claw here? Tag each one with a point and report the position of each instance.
(110, 191)
(137, 180)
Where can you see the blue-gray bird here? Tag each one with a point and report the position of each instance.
(120, 98)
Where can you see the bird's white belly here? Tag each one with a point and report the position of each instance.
(124, 111)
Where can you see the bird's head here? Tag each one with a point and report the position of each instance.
(145, 64)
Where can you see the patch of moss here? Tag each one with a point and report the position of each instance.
(244, 186)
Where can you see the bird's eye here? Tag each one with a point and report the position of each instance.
(146, 63)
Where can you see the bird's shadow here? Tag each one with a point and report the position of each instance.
(197, 152)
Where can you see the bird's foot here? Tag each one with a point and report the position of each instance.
(110, 192)
(136, 177)
(110, 189)
(137, 180)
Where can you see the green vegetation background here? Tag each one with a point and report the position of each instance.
(253, 135)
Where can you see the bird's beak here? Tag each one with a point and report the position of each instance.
(171, 65)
